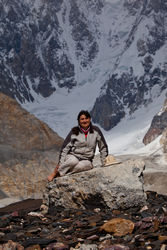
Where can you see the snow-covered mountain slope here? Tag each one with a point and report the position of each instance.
(60, 112)
(107, 56)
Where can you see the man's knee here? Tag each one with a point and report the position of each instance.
(84, 165)
(71, 160)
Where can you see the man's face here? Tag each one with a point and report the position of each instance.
(84, 121)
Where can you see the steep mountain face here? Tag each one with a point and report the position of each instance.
(32, 50)
(141, 72)
(47, 46)
(35, 54)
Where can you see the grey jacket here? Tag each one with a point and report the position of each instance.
(84, 147)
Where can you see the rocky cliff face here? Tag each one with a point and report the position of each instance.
(158, 125)
(125, 94)
(134, 85)
(33, 52)
(28, 150)
(35, 46)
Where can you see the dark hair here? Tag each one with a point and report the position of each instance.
(84, 112)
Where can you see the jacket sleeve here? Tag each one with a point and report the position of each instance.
(103, 148)
(66, 147)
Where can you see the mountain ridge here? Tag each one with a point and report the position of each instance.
(117, 46)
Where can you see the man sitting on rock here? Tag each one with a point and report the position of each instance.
(79, 148)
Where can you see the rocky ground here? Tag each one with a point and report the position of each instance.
(22, 226)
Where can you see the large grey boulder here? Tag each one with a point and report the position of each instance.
(116, 186)
(155, 174)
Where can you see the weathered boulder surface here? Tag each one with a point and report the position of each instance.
(116, 186)
(155, 174)
(29, 150)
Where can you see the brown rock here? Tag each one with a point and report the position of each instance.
(12, 245)
(21, 207)
(162, 237)
(104, 244)
(57, 246)
(158, 125)
(29, 151)
(151, 135)
(118, 226)
(34, 247)
(22, 131)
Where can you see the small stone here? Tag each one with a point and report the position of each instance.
(116, 247)
(68, 237)
(88, 247)
(44, 209)
(20, 234)
(57, 246)
(128, 238)
(34, 230)
(4, 222)
(116, 212)
(55, 224)
(34, 247)
(2, 234)
(12, 245)
(93, 237)
(15, 214)
(35, 214)
(97, 210)
(163, 247)
(145, 214)
(143, 209)
(162, 237)
(148, 219)
(118, 226)
(45, 231)
(105, 244)
(106, 237)
(77, 246)
(80, 239)
(10, 236)
(164, 209)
